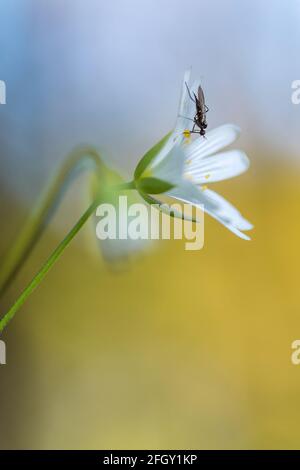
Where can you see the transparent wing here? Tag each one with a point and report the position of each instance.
(201, 100)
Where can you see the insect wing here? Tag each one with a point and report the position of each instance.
(201, 100)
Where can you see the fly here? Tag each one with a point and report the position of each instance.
(201, 110)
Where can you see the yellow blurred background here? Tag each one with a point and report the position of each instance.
(183, 350)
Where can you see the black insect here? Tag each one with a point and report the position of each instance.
(201, 110)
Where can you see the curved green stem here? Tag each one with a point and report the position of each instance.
(42, 211)
(46, 267)
(53, 258)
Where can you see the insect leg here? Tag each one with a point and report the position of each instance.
(189, 93)
(184, 117)
(193, 130)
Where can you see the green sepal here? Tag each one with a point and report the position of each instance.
(149, 156)
(153, 185)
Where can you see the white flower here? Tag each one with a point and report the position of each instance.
(188, 166)
(117, 252)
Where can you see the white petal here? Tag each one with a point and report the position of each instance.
(167, 148)
(186, 109)
(184, 92)
(214, 141)
(117, 251)
(188, 192)
(218, 167)
(214, 205)
(171, 167)
(184, 119)
(168, 208)
(227, 212)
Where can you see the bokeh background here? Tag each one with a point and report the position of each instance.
(181, 349)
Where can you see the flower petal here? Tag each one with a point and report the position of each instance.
(117, 252)
(184, 92)
(214, 141)
(184, 106)
(188, 192)
(168, 208)
(164, 151)
(227, 211)
(214, 205)
(218, 167)
(187, 109)
(171, 168)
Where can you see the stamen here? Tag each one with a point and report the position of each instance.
(187, 134)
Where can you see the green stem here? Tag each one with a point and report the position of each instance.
(46, 267)
(42, 211)
(53, 258)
